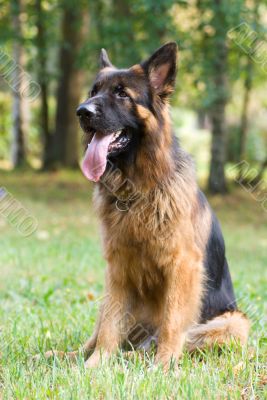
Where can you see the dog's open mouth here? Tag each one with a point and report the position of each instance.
(120, 140)
(100, 147)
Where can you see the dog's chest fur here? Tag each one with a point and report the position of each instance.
(140, 243)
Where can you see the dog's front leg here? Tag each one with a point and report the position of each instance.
(112, 325)
(182, 304)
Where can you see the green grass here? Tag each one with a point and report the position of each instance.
(51, 283)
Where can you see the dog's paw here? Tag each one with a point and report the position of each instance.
(96, 359)
(167, 364)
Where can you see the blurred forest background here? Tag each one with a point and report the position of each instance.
(49, 53)
(51, 280)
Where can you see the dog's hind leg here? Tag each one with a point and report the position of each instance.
(232, 325)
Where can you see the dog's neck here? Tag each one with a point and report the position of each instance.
(154, 162)
(158, 160)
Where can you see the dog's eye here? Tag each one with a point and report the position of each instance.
(120, 92)
(93, 92)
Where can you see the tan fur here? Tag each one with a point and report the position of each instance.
(137, 69)
(221, 330)
(202, 224)
(107, 70)
(153, 152)
(132, 93)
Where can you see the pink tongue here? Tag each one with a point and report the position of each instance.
(95, 159)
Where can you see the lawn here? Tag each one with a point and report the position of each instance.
(52, 281)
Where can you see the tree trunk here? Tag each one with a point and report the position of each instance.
(66, 139)
(244, 115)
(217, 182)
(263, 167)
(46, 136)
(247, 94)
(18, 141)
(218, 76)
(259, 176)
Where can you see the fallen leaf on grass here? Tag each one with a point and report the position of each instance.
(239, 367)
(90, 296)
(263, 380)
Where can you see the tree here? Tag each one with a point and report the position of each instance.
(217, 183)
(218, 96)
(18, 135)
(216, 19)
(66, 139)
(42, 78)
(243, 130)
(253, 18)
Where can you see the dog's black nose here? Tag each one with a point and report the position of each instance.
(85, 110)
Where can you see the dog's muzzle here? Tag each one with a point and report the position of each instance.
(86, 110)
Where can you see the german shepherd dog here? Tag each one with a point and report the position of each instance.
(167, 277)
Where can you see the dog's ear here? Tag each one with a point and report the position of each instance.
(104, 60)
(161, 69)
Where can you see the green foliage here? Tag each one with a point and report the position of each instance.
(5, 22)
(130, 31)
(255, 147)
(5, 126)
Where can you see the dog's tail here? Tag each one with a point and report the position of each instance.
(228, 327)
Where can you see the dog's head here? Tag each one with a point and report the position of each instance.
(119, 105)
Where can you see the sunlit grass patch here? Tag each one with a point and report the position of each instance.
(52, 282)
